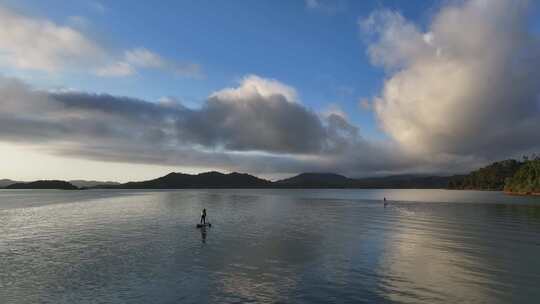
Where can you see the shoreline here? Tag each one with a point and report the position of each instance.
(522, 193)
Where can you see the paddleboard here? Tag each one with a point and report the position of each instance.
(204, 225)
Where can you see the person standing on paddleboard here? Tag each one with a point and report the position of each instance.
(203, 216)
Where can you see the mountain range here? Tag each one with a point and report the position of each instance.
(304, 180)
(492, 177)
(215, 179)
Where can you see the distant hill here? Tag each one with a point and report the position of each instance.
(43, 184)
(91, 183)
(239, 180)
(204, 180)
(315, 180)
(7, 182)
(331, 180)
(491, 177)
(526, 180)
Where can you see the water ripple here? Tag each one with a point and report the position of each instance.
(278, 246)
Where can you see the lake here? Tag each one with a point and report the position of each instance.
(268, 246)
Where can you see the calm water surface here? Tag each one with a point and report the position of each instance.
(269, 246)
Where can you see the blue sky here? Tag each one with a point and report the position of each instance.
(267, 87)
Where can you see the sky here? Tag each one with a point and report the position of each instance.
(128, 90)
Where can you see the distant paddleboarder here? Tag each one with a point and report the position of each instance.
(203, 217)
(203, 224)
(385, 203)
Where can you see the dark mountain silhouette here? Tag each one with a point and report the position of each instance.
(91, 183)
(7, 182)
(44, 184)
(331, 180)
(203, 180)
(305, 180)
(491, 177)
(315, 180)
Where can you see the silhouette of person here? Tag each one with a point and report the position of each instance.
(203, 216)
(385, 203)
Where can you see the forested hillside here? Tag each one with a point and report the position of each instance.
(526, 180)
(492, 177)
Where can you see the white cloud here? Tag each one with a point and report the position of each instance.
(467, 86)
(398, 42)
(132, 59)
(117, 69)
(142, 57)
(39, 44)
(253, 85)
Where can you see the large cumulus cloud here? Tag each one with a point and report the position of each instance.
(259, 126)
(467, 86)
(260, 114)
